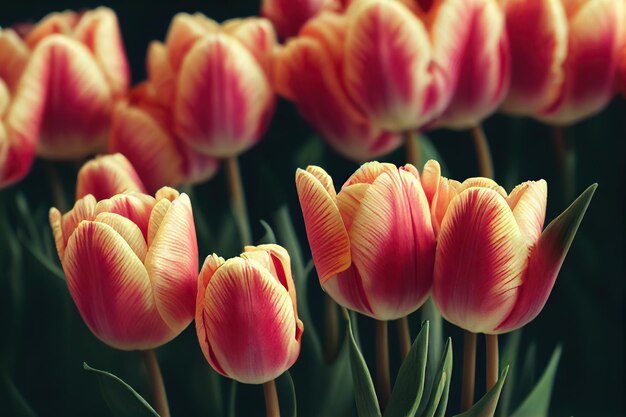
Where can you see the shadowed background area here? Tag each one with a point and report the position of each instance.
(585, 313)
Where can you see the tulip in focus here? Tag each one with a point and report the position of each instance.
(494, 267)
(246, 316)
(80, 59)
(131, 264)
(288, 16)
(373, 242)
(565, 56)
(107, 175)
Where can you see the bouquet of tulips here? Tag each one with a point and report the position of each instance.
(126, 212)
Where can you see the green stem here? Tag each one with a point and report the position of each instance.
(238, 199)
(404, 336)
(412, 148)
(492, 359)
(469, 370)
(485, 162)
(56, 187)
(383, 379)
(156, 380)
(331, 346)
(272, 408)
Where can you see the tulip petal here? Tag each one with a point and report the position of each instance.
(324, 179)
(134, 206)
(431, 176)
(346, 288)
(127, 230)
(84, 209)
(211, 264)
(182, 35)
(393, 244)
(545, 262)
(258, 36)
(249, 351)
(349, 201)
(528, 202)
(106, 176)
(481, 256)
(446, 192)
(483, 182)
(172, 264)
(160, 73)
(54, 23)
(159, 211)
(369, 171)
(326, 232)
(13, 57)
(111, 289)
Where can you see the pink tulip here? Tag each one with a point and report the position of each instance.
(131, 264)
(107, 175)
(289, 16)
(565, 56)
(246, 316)
(372, 243)
(494, 267)
(80, 59)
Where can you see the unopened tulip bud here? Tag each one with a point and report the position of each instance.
(107, 175)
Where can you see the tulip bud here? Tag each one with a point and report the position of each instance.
(131, 264)
(253, 293)
(494, 268)
(372, 243)
(107, 175)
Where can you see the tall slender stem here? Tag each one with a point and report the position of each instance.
(272, 408)
(383, 380)
(404, 336)
(492, 359)
(565, 161)
(56, 187)
(485, 163)
(412, 148)
(331, 325)
(469, 370)
(156, 380)
(238, 199)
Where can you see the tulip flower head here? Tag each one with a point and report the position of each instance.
(131, 264)
(373, 242)
(107, 175)
(494, 267)
(246, 316)
(289, 16)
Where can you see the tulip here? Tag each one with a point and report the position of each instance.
(131, 264)
(289, 16)
(565, 56)
(106, 176)
(246, 316)
(80, 59)
(372, 243)
(308, 70)
(494, 268)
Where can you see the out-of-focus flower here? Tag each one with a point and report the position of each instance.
(131, 264)
(107, 175)
(246, 316)
(494, 268)
(21, 109)
(373, 243)
(565, 56)
(80, 59)
(289, 16)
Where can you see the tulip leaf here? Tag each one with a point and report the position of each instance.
(286, 395)
(537, 402)
(435, 344)
(508, 358)
(437, 404)
(486, 406)
(121, 398)
(12, 403)
(269, 236)
(409, 387)
(364, 393)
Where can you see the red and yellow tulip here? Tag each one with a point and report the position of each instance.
(246, 314)
(289, 16)
(373, 242)
(131, 264)
(107, 175)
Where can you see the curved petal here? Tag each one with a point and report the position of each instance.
(211, 264)
(160, 73)
(431, 176)
(346, 288)
(258, 36)
(446, 192)
(481, 256)
(369, 171)
(198, 167)
(528, 202)
(349, 200)
(127, 230)
(263, 345)
(393, 245)
(14, 56)
(326, 232)
(54, 23)
(483, 182)
(84, 209)
(134, 206)
(107, 175)
(182, 35)
(224, 99)
(288, 16)
(111, 289)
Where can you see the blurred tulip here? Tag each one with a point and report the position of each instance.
(494, 268)
(131, 264)
(246, 316)
(289, 16)
(565, 56)
(107, 175)
(80, 59)
(373, 243)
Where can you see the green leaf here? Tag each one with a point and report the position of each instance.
(537, 402)
(269, 236)
(508, 358)
(12, 403)
(438, 402)
(232, 399)
(121, 398)
(435, 343)
(286, 395)
(409, 387)
(486, 406)
(364, 394)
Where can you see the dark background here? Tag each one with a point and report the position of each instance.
(585, 312)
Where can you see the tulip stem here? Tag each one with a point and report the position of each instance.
(383, 380)
(492, 359)
(331, 318)
(56, 187)
(238, 199)
(483, 154)
(565, 160)
(404, 336)
(272, 408)
(469, 370)
(412, 148)
(156, 380)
